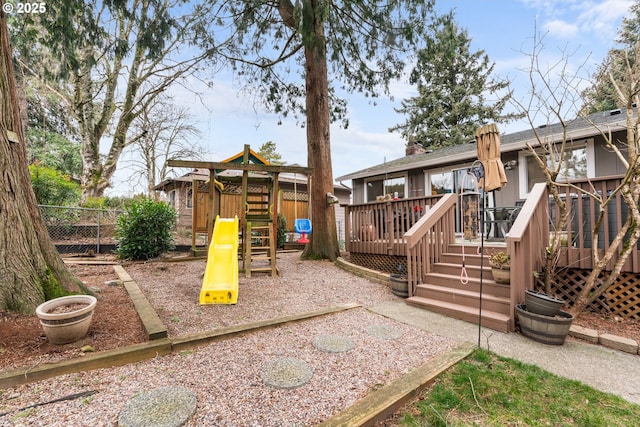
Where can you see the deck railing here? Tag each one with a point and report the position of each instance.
(379, 227)
(428, 239)
(527, 240)
(582, 214)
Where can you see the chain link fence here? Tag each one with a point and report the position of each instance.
(75, 229)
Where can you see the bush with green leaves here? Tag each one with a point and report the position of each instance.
(144, 230)
(52, 187)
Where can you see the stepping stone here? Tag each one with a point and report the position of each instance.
(286, 373)
(332, 343)
(161, 407)
(385, 332)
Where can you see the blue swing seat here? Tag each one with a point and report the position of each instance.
(303, 226)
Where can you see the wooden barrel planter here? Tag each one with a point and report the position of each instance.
(545, 329)
(399, 285)
(541, 303)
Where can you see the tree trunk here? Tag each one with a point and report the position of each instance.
(29, 262)
(324, 241)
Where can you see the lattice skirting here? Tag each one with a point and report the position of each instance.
(384, 263)
(621, 299)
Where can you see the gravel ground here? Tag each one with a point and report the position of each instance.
(227, 376)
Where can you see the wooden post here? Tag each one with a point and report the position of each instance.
(212, 201)
(273, 243)
(246, 245)
(194, 215)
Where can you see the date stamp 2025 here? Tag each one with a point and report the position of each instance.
(22, 8)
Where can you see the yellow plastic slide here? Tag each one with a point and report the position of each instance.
(220, 282)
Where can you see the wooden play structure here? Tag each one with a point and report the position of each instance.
(258, 217)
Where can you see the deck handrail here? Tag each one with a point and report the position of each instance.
(527, 240)
(428, 239)
(379, 227)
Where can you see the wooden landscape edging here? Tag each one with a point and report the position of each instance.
(382, 403)
(90, 361)
(150, 319)
(199, 338)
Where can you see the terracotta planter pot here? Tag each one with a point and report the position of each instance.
(64, 325)
(541, 303)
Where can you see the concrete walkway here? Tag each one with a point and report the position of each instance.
(600, 367)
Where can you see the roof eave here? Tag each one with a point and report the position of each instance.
(580, 133)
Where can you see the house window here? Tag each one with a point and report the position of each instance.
(172, 198)
(190, 198)
(395, 185)
(578, 163)
(441, 183)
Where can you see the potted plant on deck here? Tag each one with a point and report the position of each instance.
(500, 263)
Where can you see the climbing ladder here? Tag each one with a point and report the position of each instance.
(259, 247)
(259, 240)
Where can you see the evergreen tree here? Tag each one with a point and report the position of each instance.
(452, 84)
(294, 56)
(601, 95)
(269, 152)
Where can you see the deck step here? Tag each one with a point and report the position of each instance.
(469, 259)
(489, 248)
(489, 286)
(490, 319)
(454, 269)
(464, 297)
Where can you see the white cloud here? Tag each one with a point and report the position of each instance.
(603, 18)
(561, 29)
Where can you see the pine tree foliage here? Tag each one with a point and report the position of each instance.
(601, 95)
(453, 84)
(269, 151)
(366, 46)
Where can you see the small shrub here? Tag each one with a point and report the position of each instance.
(500, 260)
(144, 230)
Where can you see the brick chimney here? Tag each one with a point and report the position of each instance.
(414, 147)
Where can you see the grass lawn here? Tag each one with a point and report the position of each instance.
(488, 390)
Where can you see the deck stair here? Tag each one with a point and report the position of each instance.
(443, 292)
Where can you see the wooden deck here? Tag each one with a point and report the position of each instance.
(422, 231)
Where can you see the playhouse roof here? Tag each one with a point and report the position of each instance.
(254, 158)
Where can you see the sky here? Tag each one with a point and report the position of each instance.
(504, 29)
